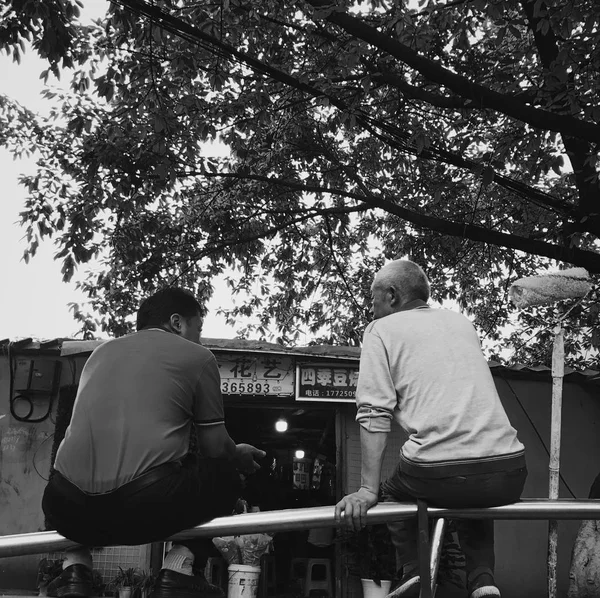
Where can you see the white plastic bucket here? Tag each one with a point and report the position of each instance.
(372, 590)
(243, 581)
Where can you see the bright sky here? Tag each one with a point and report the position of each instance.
(34, 300)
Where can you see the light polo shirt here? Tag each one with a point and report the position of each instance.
(137, 400)
(424, 368)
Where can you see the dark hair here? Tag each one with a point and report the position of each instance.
(158, 308)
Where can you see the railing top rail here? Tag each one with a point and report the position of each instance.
(298, 519)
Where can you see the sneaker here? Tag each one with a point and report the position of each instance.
(75, 581)
(483, 586)
(170, 584)
(407, 587)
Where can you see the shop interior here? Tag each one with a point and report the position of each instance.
(298, 471)
(299, 467)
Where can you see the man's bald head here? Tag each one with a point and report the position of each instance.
(396, 284)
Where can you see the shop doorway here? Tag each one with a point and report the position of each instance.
(298, 471)
(300, 443)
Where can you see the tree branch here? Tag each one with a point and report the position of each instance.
(340, 270)
(578, 150)
(537, 196)
(418, 93)
(435, 99)
(195, 35)
(480, 95)
(572, 255)
(236, 239)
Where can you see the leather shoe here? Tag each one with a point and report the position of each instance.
(170, 584)
(75, 581)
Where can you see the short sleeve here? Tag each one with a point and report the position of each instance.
(375, 392)
(208, 401)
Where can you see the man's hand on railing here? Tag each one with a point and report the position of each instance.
(245, 458)
(352, 509)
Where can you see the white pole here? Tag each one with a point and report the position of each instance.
(558, 370)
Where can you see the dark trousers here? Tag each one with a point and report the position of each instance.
(476, 536)
(150, 508)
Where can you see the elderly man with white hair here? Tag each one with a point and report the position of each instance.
(424, 368)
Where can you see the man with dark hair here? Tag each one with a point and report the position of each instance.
(424, 368)
(124, 473)
(157, 309)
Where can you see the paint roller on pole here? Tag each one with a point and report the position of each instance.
(546, 289)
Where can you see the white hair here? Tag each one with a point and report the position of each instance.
(406, 277)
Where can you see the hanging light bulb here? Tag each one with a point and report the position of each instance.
(281, 425)
(299, 454)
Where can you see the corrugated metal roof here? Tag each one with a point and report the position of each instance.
(541, 372)
(64, 347)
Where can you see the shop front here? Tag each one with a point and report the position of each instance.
(297, 404)
(292, 403)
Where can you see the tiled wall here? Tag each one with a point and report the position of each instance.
(108, 560)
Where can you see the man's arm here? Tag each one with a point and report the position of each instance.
(375, 401)
(372, 446)
(352, 509)
(214, 442)
(213, 438)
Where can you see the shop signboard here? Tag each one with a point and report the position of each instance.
(326, 382)
(256, 374)
(302, 469)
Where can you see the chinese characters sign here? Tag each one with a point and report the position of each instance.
(328, 382)
(248, 374)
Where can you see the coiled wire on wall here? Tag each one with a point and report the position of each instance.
(21, 397)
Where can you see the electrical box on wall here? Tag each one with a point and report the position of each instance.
(34, 386)
(37, 376)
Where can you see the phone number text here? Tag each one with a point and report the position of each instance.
(250, 388)
(328, 393)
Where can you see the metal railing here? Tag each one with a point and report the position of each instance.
(306, 518)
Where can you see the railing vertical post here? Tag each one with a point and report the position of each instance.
(437, 543)
(424, 550)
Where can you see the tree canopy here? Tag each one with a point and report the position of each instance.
(463, 134)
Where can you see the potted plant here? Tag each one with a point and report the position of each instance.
(126, 581)
(98, 585)
(144, 585)
(370, 555)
